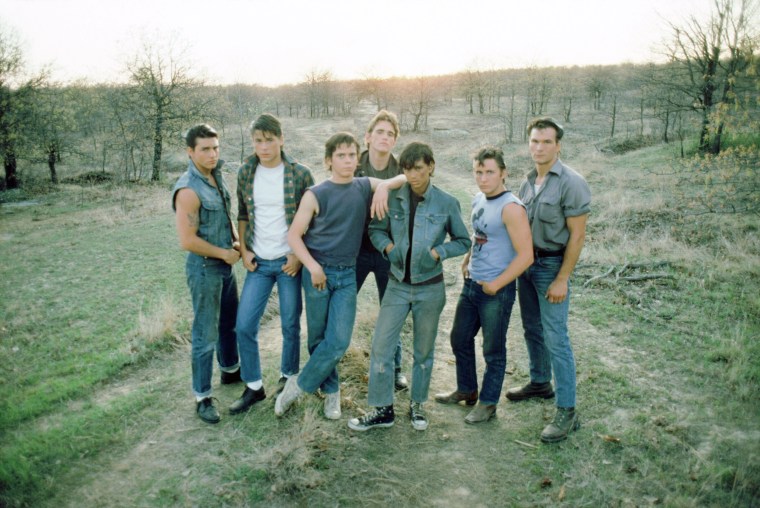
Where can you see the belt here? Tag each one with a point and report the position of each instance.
(541, 253)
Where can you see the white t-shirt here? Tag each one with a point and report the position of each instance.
(270, 228)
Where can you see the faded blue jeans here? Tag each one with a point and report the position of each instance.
(545, 326)
(425, 303)
(253, 302)
(215, 303)
(330, 317)
(475, 311)
(373, 262)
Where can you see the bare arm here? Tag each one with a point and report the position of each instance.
(557, 291)
(465, 264)
(380, 198)
(515, 219)
(187, 219)
(307, 209)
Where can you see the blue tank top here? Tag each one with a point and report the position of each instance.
(492, 248)
(335, 234)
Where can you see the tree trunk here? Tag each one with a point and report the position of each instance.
(158, 138)
(11, 180)
(52, 157)
(716, 140)
(614, 116)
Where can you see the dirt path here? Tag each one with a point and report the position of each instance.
(174, 452)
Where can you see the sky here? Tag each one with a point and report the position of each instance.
(275, 42)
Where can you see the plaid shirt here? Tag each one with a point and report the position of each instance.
(297, 179)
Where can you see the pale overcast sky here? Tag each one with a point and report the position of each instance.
(278, 41)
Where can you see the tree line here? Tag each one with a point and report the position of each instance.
(707, 88)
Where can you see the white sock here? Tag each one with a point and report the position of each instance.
(255, 385)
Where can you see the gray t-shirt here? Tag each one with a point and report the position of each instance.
(335, 233)
(563, 194)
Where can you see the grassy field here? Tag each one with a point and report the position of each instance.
(97, 408)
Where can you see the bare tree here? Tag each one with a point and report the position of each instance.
(16, 99)
(52, 124)
(418, 99)
(319, 84)
(538, 89)
(710, 61)
(163, 84)
(374, 88)
(597, 85)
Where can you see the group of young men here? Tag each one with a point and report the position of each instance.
(381, 215)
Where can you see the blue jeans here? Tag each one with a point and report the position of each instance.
(330, 317)
(426, 303)
(545, 326)
(253, 301)
(373, 262)
(215, 302)
(477, 310)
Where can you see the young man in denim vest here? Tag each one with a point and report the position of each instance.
(502, 250)
(377, 161)
(201, 201)
(270, 187)
(558, 201)
(413, 236)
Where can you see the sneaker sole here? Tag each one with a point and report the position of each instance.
(420, 427)
(361, 428)
(333, 416)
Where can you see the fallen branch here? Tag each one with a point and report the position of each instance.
(592, 279)
(647, 276)
(525, 444)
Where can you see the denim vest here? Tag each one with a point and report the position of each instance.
(215, 223)
(437, 216)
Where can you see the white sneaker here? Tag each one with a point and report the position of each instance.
(417, 416)
(288, 396)
(332, 405)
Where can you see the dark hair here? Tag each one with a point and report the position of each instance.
(414, 152)
(384, 116)
(546, 122)
(267, 123)
(340, 138)
(203, 130)
(490, 152)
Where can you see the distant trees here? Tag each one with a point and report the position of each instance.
(711, 62)
(16, 101)
(52, 124)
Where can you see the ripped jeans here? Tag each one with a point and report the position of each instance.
(425, 303)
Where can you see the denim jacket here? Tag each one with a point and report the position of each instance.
(214, 226)
(437, 215)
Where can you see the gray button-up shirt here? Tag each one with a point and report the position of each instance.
(564, 193)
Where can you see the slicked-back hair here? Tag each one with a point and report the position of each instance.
(546, 122)
(413, 152)
(338, 139)
(202, 130)
(384, 116)
(267, 123)
(490, 152)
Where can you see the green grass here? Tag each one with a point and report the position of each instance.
(97, 413)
